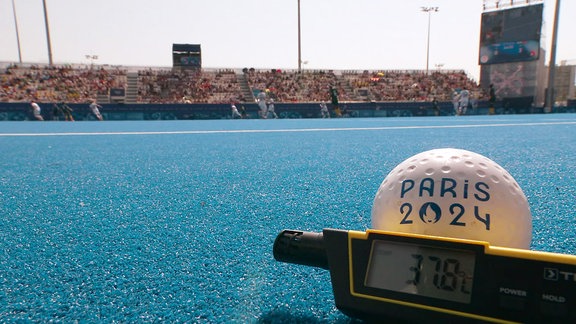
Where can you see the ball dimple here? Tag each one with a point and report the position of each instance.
(489, 203)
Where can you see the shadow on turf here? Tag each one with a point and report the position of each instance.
(282, 316)
(285, 317)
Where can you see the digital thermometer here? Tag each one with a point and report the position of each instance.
(378, 276)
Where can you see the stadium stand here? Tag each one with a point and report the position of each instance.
(58, 83)
(409, 85)
(188, 86)
(291, 86)
(78, 84)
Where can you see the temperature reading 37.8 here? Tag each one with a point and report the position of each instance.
(447, 274)
(421, 270)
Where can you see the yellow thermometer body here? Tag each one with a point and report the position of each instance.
(379, 276)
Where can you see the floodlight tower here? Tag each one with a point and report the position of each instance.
(429, 10)
(92, 58)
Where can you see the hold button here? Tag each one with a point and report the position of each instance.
(553, 305)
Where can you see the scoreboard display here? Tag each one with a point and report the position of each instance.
(186, 55)
(511, 35)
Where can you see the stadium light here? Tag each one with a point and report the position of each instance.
(428, 10)
(92, 58)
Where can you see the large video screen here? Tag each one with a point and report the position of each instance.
(186, 55)
(511, 35)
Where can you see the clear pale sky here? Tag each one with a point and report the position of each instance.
(336, 34)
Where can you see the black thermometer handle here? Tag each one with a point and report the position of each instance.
(300, 247)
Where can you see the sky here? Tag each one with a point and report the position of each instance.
(335, 34)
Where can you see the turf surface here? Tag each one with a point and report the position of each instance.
(175, 221)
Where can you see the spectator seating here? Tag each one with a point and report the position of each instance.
(390, 85)
(78, 84)
(292, 86)
(58, 83)
(188, 86)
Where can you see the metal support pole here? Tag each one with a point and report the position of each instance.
(50, 61)
(299, 41)
(428, 44)
(17, 33)
(550, 98)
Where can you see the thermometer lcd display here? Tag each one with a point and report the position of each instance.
(422, 270)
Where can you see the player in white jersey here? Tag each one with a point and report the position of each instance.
(271, 109)
(455, 101)
(324, 110)
(235, 112)
(95, 108)
(36, 111)
(261, 97)
(463, 102)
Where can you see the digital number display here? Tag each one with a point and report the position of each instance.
(511, 35)
(421, 270)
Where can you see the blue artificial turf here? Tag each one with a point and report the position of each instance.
(175, 221)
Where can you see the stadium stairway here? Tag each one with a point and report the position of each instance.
(345, 85)
(245, 88)
(131, 87)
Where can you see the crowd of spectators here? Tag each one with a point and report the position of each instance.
(411, 85)
(58, 83)
(290, 86)
(188, 86)
(80, 84)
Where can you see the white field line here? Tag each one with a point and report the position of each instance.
(295, 130)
